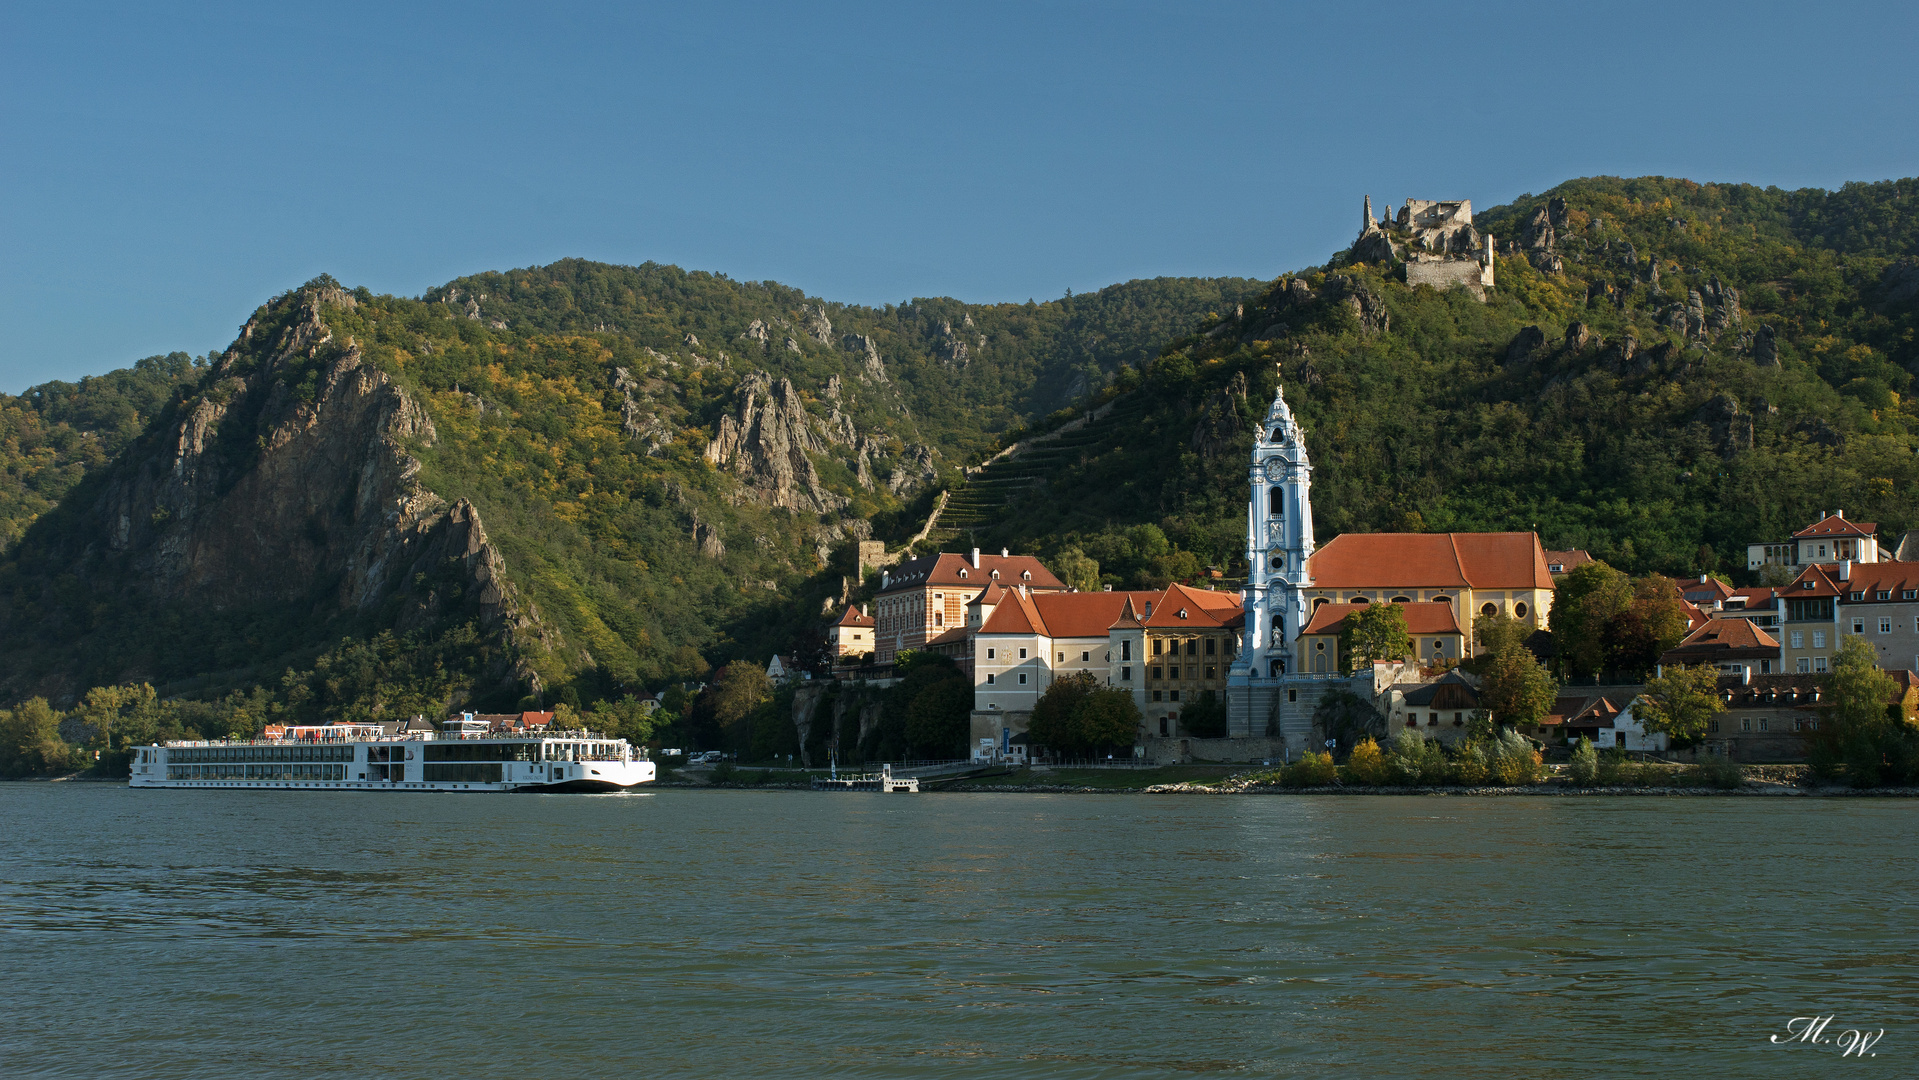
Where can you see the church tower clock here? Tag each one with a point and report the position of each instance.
(1279, 549)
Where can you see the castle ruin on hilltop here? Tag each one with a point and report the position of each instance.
(1436, 241)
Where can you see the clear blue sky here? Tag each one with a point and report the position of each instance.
(169, 167)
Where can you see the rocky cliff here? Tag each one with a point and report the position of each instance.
(287, 482)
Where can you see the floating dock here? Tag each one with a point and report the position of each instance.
(884, 780)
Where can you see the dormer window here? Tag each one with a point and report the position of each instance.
(1805, 584)
(1026, 575)
(995, 576)
(1856, 596)
(962, 574)
(1884, 594)
(1149, 607)
(1181, 613)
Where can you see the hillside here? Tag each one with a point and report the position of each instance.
(565, 482)
(1665, 372)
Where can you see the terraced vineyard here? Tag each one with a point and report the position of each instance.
(995, 488)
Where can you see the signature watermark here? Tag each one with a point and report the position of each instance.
(1811, 1030)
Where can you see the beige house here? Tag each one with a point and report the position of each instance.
(921, 599)
(1831, 539)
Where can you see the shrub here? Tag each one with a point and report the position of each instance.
(1618, 770)
(1366, 765)
(1584, 768)
(1470, 766)
(1514, 761)
(1416, 760)
(724, 773)
(1312, 770)
(1715, 771)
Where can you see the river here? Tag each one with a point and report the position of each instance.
(740, 933)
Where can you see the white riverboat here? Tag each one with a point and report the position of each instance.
(368, 757)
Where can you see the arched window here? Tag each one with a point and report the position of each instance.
(962, 573)
(1319, 602)
(1489, 609)
(1026, 575)
(1279, 435)
(994, 575)
(1519, 610)
(1276, 501)
(1442, 599)
(1402, 599)
(1361, 600)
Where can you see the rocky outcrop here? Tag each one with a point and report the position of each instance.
(287, 483)
(1366, 305)
(871, 367)
(638, 421)
(707, 538)
(1577, 335)
(765, 442)
(757, 331)
(1219, 422)
(950, 347)
(1765, 347)
(1529, 340)
(1729, 426)
(914, 469)
(817, 325)
(1375, 246)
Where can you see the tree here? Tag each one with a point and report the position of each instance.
(1499, 632)
(1366, 764)
(1857, 695)
(1053, 724)
(1654, 621)
(1342, 715)
(741, 688)
(1681, 702)
(939, 718)
(1374, 632)
(1077, 570)
(1204, 718)
(1584, 605)
(1109, 719)
(1517, 689)
(30, 740)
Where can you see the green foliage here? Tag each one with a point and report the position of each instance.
(1417, 761)
(1585, 603)
(1374, 632)
(1472, 765)
(1682, 701)
(1077, 571)
(1344, 716)
(30, 740)
(1863, 733)
(1513, 761)
(1584, 764)
(1076, 715)
(1516, 688)
(1715, 771)
(1204, 718)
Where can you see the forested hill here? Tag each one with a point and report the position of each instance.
(660, 465)
(1665, 372)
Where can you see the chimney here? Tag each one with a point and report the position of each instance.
(1005, 554)
(886, 579)
(976, 558)
(1840, 514)
(1745, 674)
(1703, 578)
(1845, 570)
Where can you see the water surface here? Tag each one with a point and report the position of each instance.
(700, 933)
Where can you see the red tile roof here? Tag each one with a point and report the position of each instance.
(1182, 605)
(1560, 562)
(1431, 561)
(953, 569)
(1835, 525)
(1064, 615)
(853, 617)
(1422, 619)
(1870, 579)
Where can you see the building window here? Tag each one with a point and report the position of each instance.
(1489, 609)
(1885, 624)
(1159, 646)
(1856, 597)
(1212, 646)
(1158, 695)
(1765, 667)
(1212, 673)
(939, 618)
(1022, 654)
(989, 654)
(1883, 594)
(1818, 639)
(1819, 664)
(1459, 719)
(1162, 727)
(1192, 646)
(1062, 658)
(1798, 725)
(1763, 723)
(1798, 639)
(1745, 723)
(1126, 649)
(1909, 594)
(1125, 674)
(1858, 626)
(1432, 719)
(1022, 678)
(1175, 673)
(1292, 695)
(1158, 673)
(989, 678)
(1085, 656)
(1175, 696)
(1712, 725)
(1519, 610)
(1805, 666)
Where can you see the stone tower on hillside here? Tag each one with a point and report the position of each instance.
(1435, 239)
